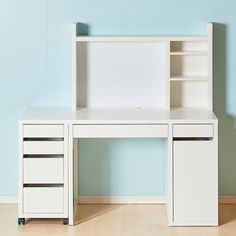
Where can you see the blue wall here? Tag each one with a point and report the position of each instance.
(35, 70)
(121, 167)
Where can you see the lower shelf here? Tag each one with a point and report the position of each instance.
(189, 94)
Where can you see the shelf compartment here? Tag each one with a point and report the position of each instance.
(189, 46)
(186, 94)
(189, 66)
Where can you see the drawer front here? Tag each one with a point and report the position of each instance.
(43, 131)
(43, 170)
(43, 147)
(43, 200)
(119, 131)
(193, 130)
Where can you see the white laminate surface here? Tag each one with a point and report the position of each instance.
(56, 115)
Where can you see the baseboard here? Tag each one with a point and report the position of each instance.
(227, 199)
(8, 199)
(121, 200)
(139, 200)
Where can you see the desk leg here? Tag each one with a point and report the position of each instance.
(169, 178)
(73, 176)
(76, 178)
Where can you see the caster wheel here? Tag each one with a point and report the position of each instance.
(65, 221)
(21, 221)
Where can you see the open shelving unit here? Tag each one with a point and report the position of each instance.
(191, 73)
(163, 72)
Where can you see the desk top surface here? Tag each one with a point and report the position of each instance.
(116, 115)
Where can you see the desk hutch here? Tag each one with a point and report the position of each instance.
(128, 87)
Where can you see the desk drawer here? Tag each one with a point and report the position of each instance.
(43, 200)
(43, 170)
(43, 131)
(120, 131)
(43, 147)
(204, 130)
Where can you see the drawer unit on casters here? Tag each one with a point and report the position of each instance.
(43, 172)
(195, 175)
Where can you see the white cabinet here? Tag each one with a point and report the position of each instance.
(195, 186)
(43, 172)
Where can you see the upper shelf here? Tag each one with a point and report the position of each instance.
(86, 38)
(190, 53)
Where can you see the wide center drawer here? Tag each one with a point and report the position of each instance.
(120, 131)
(43, 170)
(194, 130)
(43, 200)
(43, 147)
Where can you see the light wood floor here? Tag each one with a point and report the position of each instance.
(115, 220)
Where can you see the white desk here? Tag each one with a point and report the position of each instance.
(192, 161)
(129, 71)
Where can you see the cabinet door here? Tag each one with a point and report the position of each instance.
(195, 183)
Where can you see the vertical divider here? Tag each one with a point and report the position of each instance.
(169, 178)
(71, 175)
(76, 177)
(66, 174)
(74, 67)
(168, 93)
(210, 61)
(20, 185)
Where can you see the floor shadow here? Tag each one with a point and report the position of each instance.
(86, 212)
(227, 214)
